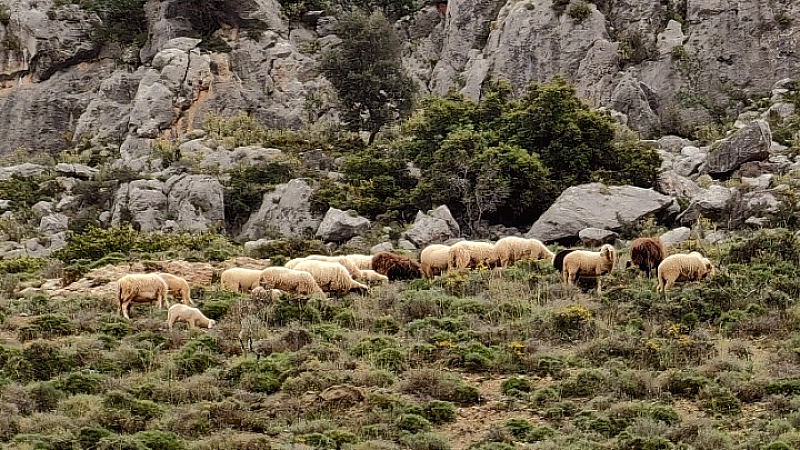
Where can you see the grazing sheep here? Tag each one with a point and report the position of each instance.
(140, 288)
(290, 280)
(331, 276)
(558, 260)
(434, 260)
(263, 295)
(363, 262)
(178, 288)
(683, 267)
(354, 271)
(588, 264)
(395, 267)
(511, 249)
(370, 275)
(192, 316)
(238, 279)
(647, 254)
(471, 254)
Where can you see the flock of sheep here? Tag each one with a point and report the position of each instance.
(317, 274)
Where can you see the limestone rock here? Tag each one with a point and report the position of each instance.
(751, 143)
(196, 202)
(436, 226)
(595, 205)
(81, 171)
(53, 223)
(286, 211)
(24, 170)
(595, 237)
(339, 226)
(142, 203)
(382, 247)
(714, 203)
(676, 236)
(672, 184)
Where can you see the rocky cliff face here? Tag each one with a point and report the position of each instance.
(666, 65)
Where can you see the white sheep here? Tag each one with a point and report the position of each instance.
(330, 276)
(683, 267)
(363, 262)
(178, 288)
(471, 254)
(354, 271)
(511, 249)
(238, 279)
(290, 280)
(192, 316)
(588, 264)
(370, 275)
(434, 259)
(140, 288)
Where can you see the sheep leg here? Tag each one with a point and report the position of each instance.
(192, 323)
(125, 308)
(170, 322)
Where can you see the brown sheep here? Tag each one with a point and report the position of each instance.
(395, 267)
(647, 254)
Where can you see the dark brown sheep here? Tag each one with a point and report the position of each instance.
(395, 267)
(647, 254)
(558, 260)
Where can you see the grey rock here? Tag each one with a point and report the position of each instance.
(286, 211)
(436, 226)
(53, 223)
(672, 184)
(676, 236)
(760, 182)
(715, 236)
(253, 248)
(714, 203)
(673, 144)
(42, 208)
(142, 203)
(404, 244)
(671, 37)
(759, 203)
(779, 112)
(24, 170)
(317, 159)
(152, 110)
(751, 143)
(5, 204)
(81, 171)
(595, 205)
(689, 165)
(340, 226)
(757, 222)
(196, 202)
(255, 155)
(595, 237)
(382, 247)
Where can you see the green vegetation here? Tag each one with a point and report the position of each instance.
(579, 11)
(500, 160)
(122, 21)
(511, 356)
(367, 73)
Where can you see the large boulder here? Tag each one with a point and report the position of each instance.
(53, 223)
(195, 202)
(340, 226)
(751, 143)
(142, 203)
(76, 170)
(672, 184)
(596, 205)
(24, 170)
(714, 203)
(286, 211)
(436, 226)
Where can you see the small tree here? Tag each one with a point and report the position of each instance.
(367, 73)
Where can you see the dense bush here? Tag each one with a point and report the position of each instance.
(245, 189)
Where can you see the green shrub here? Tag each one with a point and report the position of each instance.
(47, 326)
(197, 356)
(90, 437)
(46, 360)
(412, 423)
(123, 413)
(45, 395)
(245, 189)
(22, 264)
(218, 303)
(81, 383)
(391, 359)
(585, 383)
(424, 441)
(120, 443)
(439, 412)
(159, 440)
(579, 11)
(514, 386)
(719, 400)
(26, 192)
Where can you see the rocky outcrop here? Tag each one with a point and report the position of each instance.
(340, 226)
(595, 205)
(751, 143)
(714, 203)
(284, 212)
(437, 226)
(142, 203)
(195, 203)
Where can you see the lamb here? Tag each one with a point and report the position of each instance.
(370, 275)
(363, 262)
(647, 254)
(354, 271)
(331, 276)
(140, 288)
(238, 279)
(395, 267)
(434, 259)
(466, 254)
(178, 288)
(262, 295)
(285, 279)
(192, 316)
(511, 249)
(588, 264)
(558, 260)
(683, 267)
